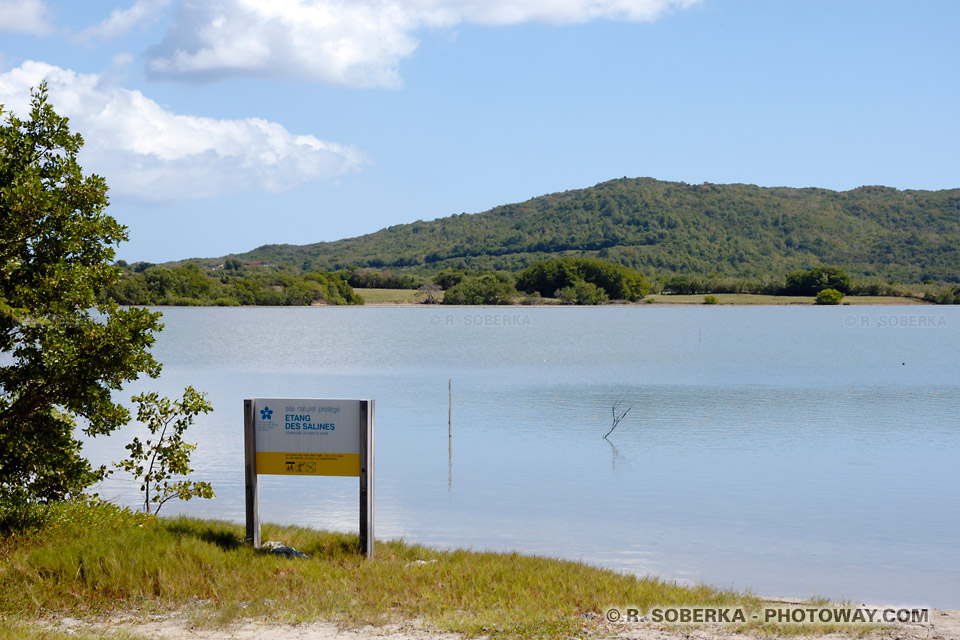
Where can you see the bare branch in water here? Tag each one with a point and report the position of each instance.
(617, 417)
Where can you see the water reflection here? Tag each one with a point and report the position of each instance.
(746, 438)
(615, 456)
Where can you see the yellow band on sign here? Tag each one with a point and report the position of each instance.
(308, 464)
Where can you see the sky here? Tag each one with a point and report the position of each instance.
(223, 125)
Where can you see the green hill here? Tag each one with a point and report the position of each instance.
(672, 227)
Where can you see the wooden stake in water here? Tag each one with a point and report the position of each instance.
(450, 408)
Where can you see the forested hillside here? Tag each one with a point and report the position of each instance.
(672, 228)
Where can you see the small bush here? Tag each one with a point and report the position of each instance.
(18, 513)
(829, 296)
(711, 300)
(582, 292)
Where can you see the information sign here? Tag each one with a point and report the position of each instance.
(309, 437)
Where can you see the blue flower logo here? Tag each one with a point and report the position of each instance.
(266, 413)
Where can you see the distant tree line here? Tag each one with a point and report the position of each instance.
(809, 283)
(595, 281)
(569, 280)
(189, 284)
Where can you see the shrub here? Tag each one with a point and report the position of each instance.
(582, 293)
(711, 300)
(829, 296)
(157, 461)
(485, 289)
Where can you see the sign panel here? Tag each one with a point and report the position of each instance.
(307, 437)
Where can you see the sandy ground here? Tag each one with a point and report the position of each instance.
(942, 625)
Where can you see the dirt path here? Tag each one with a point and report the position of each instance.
(942, 625)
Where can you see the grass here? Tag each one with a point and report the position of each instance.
(91, 561)
(14, 631)
(756, 299)
(388, 296)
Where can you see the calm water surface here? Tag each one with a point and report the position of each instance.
(787, 450)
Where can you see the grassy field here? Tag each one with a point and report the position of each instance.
(91, 562)
(388, 296)
(753, 299)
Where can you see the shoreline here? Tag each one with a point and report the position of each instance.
(138, 576)
(905, 302)
(181, 625)
(657, 300)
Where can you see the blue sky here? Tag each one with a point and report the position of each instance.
(223, 125)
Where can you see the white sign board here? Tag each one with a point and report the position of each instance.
(307, 436)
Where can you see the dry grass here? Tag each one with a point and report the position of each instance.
(96, 561)
(388, 296)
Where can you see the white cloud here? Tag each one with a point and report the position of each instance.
(348, 42)
(122, 21)
(25, 16)
(148, 153)
(502, 12)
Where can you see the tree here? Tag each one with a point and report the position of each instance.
(810, 283)
(582, 292)
(483, 289)
(429, 293)
(617, 282)
(449, 277)
(157, 461)
(63, 351)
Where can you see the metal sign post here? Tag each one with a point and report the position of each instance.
(309, 437)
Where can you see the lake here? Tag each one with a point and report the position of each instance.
(791, 451)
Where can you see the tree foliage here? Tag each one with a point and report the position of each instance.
(64, 351)
(165, 456)
(550, 276)
(482, 289)
(828, 296)
(582, 292)
(189, 284)
(812, 282)
(449, 277)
